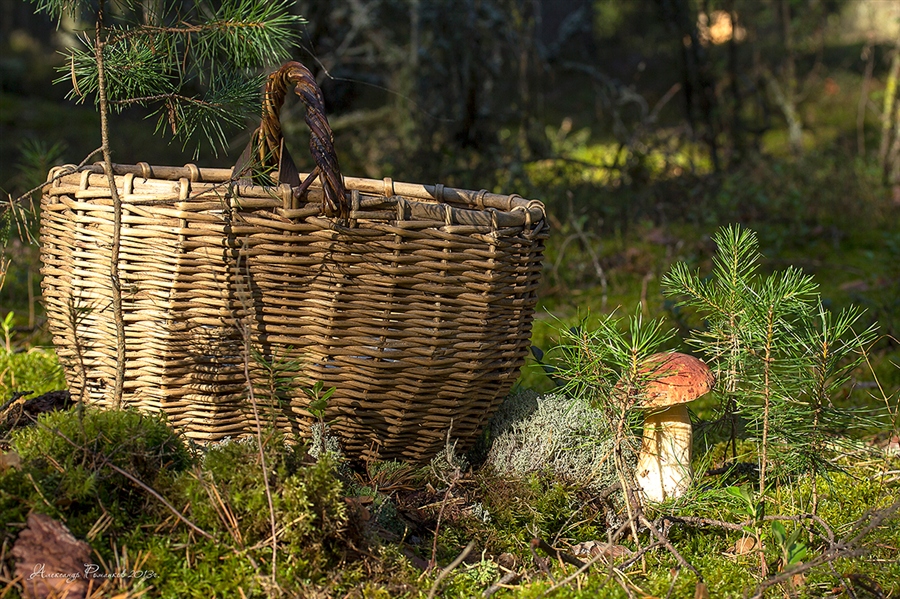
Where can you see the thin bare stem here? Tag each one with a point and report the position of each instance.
(245, 334)
(841, 550)
(552, 551)
(118, 315)
(508, 578)
(186, 30)
(158, 97)
(739, 527)
(662, 539)
(631, 560)
(446, 571)
(868, 55)
(450, 449)
(59, 175)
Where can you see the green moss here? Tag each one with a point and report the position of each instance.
(221, 491)
(65, 466)
(228, 494)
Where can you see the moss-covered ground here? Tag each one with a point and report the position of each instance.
(370, 532)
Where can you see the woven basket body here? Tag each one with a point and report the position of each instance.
(416, 304)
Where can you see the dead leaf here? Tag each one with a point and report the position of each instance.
(594, 548)
(508, 561)
(659, 236)
(856, 285)
(10, 460)
(50, 560)
(357, 510)
(700, 591)
(744, 545)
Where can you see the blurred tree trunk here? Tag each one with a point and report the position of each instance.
(737, 101)
(786, 94)
(889, 149)
(527, 19)
(470, 55)
(699, 90)
(785, 98)
(6, 22)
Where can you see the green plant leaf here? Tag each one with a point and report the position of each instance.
(737, 492)
(797, 554)
(780, 534)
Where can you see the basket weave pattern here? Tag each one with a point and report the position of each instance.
(416, 303)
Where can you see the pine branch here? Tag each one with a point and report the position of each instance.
(155, 60)
(128, 61)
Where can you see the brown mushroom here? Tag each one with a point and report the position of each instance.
(671, 380)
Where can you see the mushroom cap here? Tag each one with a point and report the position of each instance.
(673, 378)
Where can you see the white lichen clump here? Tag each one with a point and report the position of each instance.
(562, 435)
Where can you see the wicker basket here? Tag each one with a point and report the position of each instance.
(414, 301)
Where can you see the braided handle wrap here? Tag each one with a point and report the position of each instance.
(321, 141)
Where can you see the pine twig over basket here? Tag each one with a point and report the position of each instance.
(414, 301)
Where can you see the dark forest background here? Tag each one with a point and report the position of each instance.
(642, 125)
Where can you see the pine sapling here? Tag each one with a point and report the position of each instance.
(781, 356)
(602, 366)
(719, 299)
(750, 337)
(835, 350)
(776, 305)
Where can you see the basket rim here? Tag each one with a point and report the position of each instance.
(515, 210)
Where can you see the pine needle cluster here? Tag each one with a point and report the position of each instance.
(193, 63)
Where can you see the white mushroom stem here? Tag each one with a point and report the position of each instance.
(664, 465)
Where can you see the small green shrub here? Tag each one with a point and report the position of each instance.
(35, 370)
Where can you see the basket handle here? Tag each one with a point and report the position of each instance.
(267, 142)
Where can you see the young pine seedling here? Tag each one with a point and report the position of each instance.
(318, 405)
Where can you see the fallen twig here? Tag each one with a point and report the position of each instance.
(609, 491)
(571, 577)
(541, 563)
(507, 579)
(845, 548)
(672, 584)
(554, 552)
(662, 539)
(600, 556)
(693, 520)
(631, 560)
